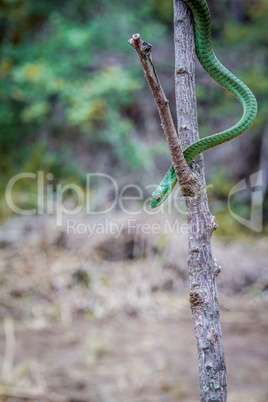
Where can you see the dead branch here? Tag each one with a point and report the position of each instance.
(187, 179)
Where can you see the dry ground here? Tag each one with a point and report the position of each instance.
(108, 320)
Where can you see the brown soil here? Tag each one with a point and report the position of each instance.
(107, 319)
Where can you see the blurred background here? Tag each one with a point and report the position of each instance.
(92, 314)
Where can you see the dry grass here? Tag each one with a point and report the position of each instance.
(105, 319)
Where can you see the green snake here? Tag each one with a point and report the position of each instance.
(208, 60)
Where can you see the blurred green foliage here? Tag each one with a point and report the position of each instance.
(249, 39)
(69, 77)
(62, 79)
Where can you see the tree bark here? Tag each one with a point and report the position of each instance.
(202, 267)
(187, 179)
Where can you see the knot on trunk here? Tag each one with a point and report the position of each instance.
(197, 299)
(191, 187)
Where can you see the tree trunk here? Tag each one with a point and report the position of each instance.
(202, 267)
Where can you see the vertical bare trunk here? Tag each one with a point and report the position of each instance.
(202, 267)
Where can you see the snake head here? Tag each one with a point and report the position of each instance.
(156, 198)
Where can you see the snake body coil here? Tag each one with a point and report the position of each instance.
(207, 58)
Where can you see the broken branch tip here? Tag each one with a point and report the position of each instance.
(136, 36)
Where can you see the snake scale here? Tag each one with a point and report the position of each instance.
(208, 60)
